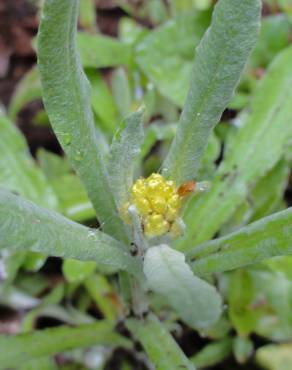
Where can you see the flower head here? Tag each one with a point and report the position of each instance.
(158, 203)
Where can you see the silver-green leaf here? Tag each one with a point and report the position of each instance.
(67, 101)
(195, 301)
(159, 345)
(266, 238)
(268, 123)
(25, 226)
(220, 59)
(17, 349)
(124, 151)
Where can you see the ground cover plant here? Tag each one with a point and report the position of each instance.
(167, 214)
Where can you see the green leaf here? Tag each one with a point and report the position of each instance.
(169, 51)
(241, 295)
(10, 263)
(159, 345)
(72, 197)
(275, 356)
(125, 150)
(77, 271)
(264, 199)
(268, 123)
(53, 165)
(103, 295)
(220, 59)
(34, 261)
(28, 89)
(121, 91)
(40, 363)
(87, 17)
(41, 230)
(243, 349)
(266, 238)
(212, 354)
(259, 301)
(274, 36)
(102, 102)
(67, 101)
(196, 302)
(18, 171)
(154, 132)
(73, 200)
(16, 349)
(98, 51)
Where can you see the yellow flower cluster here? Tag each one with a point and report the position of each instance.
(158, 204)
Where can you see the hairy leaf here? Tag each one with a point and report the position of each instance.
(266, 238)
(159, 345)
(125, 150)
(268, 123)
(195, 301)
(25, 226)
(25, 347)
(220, 59)
(67, 101)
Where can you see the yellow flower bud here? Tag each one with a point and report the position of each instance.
(158, 203)
(143, 206)
(155, 225)
(170, 214)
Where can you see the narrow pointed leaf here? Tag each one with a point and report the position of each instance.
(28, 89)
(17, 349)
(213, 353)
(67, 101)
(266, 238)
(25, 226)
(268, 122)
(18, 171)
(124, 152)
(159, 345)
(195, 301)
(220, 59)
